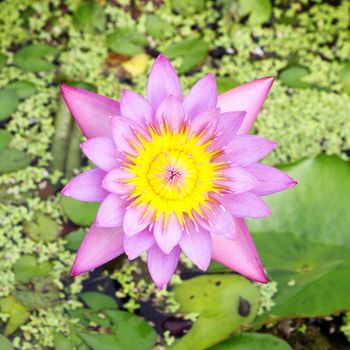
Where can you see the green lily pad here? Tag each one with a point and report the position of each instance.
(224, 84)
(74, 239)
(5, 344)
(193, 52)
(224, 303)
(32, 57)
(43, 228)
(157, 26)
(3, 60)
(252, 341)
(98, 301)
(8, 103)
(27, 267)
(5, 139)
(17, 312)
(345, 77)
(80, 213)
(259, 11)
(126, 41)
(89, 17)
(188, 7)
(22, 88)
(13, 160)
(293, 77)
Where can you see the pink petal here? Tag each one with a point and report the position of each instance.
(238, 180)
(162, 82)
(102, 152)
(223, 224)
(197, 247)
(270, 179)
(162, 266)
(202, 96)
(135, 107)
(111, 211)
(86, 187)
(171, 111)
(90, 110)
(247, 149)
(245, 204)
(99, 246)
(247, 97)
(115, 181)
(167, 235)
(205, 121)
(240, 254)
(137, 244)
(136, 219)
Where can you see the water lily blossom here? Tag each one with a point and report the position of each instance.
(174, 174)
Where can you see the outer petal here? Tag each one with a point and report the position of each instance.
(167, 235)
(171, 111)
(135, 107)
(102, 152)
(246, 204)
(223, 224)
(202, 96)
(137, 244)
(99, 246)
(197, 247)
(111, 211)
(161, 266)
(115, 182)
(247, 149)
(90, 110)
(86, 187)
(239, 254)
(136, 219)
(270, 179)
(247, 97)
(162, 82)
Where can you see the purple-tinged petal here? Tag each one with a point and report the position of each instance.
(111, 211)
(99, 246)
(202, 96)
(136, 219)
(135, 107)
(116, 181)
(223, 224)
(162, 266)
(245, 204)
(171, 111)
(137, 244)
(162, 82)
(205, 123)
(86, 186)
(248, 97)
(237, 179)
(167, 235)
(102, 152)
(240, 254)
(271, 180)
(197, 247)
(90, 110)
(247, 149)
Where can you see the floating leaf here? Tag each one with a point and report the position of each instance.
(32, 57)
(5, 139)
(259, 11)
(22, 88)
(224, 84)
(126, 41)
(27, 267)
(98, 301)
(136, 65)
(188, 7)
(5, 344)
(74, 239)
(293, 77)
(43, 228)
(17, 312)
(224, 302)
(8, 103)
(3, 60)
(157, 26)
(252, 341)
(345, 77)
(89, 17)
(13, 160)
(80, 213)
(193, 52)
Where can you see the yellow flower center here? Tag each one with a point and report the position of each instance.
(173, 173)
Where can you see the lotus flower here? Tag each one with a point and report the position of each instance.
(174, 174)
